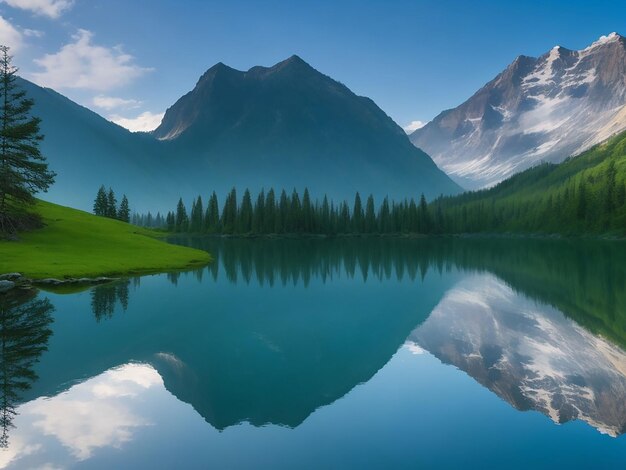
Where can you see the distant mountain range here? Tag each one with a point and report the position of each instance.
(538, 109)
(284, 126)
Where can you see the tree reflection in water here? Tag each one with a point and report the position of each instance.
(24, 332)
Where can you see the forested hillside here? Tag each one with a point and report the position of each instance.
(584, 194)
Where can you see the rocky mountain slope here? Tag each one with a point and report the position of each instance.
(538, 109)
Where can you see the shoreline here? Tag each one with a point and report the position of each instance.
(404, 236)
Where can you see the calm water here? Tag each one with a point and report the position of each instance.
(328, 354)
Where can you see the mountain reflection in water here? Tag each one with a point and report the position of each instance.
(274, 330)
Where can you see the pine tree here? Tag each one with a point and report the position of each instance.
(212, 221)
(197, 216)
(259, 213)
(283, 211)
(344, 218)
(357, 215)
(170, 221)
(424, 216)
(369, 224)
(229, 213)
(111, 210)
(100, 203)
(244, 220)
(181, 221)
(294, 217)
(269, 225)
(325, 221)
(124, 213)
(384, 217)
(23, 170)
(307, 213)
(412, 217)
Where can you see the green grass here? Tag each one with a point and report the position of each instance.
(77, 244)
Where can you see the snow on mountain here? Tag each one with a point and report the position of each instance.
(529, 354)
(538, 109)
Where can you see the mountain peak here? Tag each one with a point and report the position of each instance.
(220, 68)
(294, 61)
(603, 40)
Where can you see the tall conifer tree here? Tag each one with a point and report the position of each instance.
(23, 170)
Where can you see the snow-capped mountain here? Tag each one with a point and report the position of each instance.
(538, 109)
(529, 354)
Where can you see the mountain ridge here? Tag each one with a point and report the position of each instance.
(282, 126)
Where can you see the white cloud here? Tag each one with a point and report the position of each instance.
(102, 413)
(50, 8)
(413, 126)
(82, 64)
(33, 33)
(9, 35)
(112, 102)
(96, 413)
(145, 122)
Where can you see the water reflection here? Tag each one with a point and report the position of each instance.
(529, 354)
(24, 332)
(98, 414)
(274, 330)
(105, 297)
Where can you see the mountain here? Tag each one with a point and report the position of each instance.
(528, 353)
(86, 150)
(284, 126)
(289, 125)
(538, 109)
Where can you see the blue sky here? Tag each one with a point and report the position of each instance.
(130, 59)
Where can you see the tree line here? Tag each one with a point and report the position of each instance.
(105, 205)
(589, 201)
(273, 213)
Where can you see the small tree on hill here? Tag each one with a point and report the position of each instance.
(23, 170)
(124, 213)
(100, 203)
(111, 209)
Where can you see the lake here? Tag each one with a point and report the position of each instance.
(315, 353)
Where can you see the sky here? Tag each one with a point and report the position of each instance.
(129, 60)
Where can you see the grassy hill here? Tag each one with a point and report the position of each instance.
(77, 244)
(584, 194)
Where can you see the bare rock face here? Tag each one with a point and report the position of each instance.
(538, 109)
